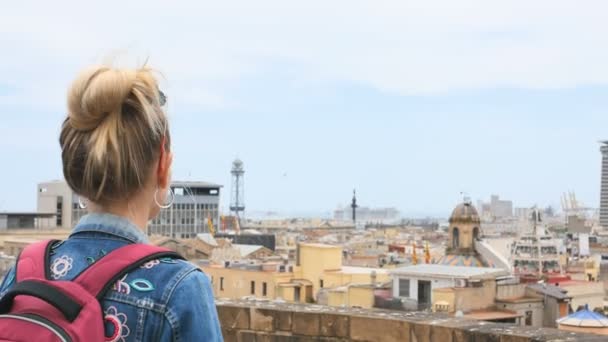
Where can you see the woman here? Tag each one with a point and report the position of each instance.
(116, 153)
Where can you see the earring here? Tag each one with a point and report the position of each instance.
(164, 206)
(81, 204)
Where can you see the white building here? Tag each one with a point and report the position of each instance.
(195, 208)
(414, 285)
(496, 208)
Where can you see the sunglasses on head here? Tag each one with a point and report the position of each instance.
(162, 98)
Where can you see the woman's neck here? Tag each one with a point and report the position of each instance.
(137, 215)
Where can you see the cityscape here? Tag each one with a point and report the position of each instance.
(433, 171)
(489, 261)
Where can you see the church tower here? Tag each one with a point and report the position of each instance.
(464, 229)
(463, 232)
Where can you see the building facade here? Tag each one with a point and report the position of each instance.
(195, 208)
(496, 209)
(318, 276)
(24, 220)
(604, 186)
(462, 288)
(501, 208)
(57, 197)
(366, 214)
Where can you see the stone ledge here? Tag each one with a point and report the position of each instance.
(255, 321)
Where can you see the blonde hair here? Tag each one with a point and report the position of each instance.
(113, 132)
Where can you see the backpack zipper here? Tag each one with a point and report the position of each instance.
(43, 322)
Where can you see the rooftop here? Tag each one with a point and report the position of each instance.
(517, 300)
(192, 184)
(320, 245)
(361, 270)
(585, 318)
(490, 315)
(22, 239)
(246, 250)
(575, 283)
(208, 239)
(23, 213)
(443, 271)
(549, 290)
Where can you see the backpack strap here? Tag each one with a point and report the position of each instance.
(33, 262)
(99, 277)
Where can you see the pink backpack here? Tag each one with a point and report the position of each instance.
(38, 309)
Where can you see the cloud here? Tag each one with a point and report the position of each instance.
(407, 47)
(389, 74)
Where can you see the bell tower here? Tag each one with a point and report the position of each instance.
(464, 229)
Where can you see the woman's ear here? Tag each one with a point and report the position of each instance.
(165, 161)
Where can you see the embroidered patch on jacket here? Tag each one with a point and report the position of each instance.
(61, 266)
(167, 260)
(116, 325)
(142, 285)
(121, 286)
(91, 260)
(150, 264)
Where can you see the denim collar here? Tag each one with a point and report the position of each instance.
(112, 225)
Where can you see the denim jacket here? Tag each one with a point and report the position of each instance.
(163, 300)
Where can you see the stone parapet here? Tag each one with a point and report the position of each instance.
(249, 321)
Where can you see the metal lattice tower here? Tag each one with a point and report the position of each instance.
(354, 206)
(237, 193)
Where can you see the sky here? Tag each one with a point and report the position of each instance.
(410, 102)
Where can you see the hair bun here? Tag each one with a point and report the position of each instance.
(97, 93)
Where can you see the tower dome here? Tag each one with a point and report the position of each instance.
(465, 213)
(464, 230)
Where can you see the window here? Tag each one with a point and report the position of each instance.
(252, 287)
(296, 294)
(404, 287)
(264, 289)
(321, 283)
(455, 238)
(59, 212)
(442, 308)
(221, 283)
(528, 318)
